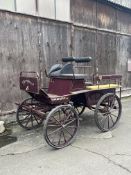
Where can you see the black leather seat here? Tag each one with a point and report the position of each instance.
(54, 68)
(65, 72)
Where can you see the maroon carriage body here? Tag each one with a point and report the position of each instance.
(65, 99)
(65, 86)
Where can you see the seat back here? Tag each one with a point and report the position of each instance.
(59, 71)
(54, 68)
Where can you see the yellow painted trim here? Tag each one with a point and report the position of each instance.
(104, 86)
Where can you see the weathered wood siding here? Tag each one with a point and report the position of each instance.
(106, 17)
(34, 44)
(124, 22)
(18, 52)
(55, 43)
(112, 35)
(83, 12)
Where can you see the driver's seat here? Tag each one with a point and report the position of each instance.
(58, 70)
(65, 72)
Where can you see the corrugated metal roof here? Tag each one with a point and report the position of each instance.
(124, 3)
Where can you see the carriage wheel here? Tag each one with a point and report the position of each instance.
(94, 97)
(61, 126)
(108, 112)
(27, 119)
(80, 109)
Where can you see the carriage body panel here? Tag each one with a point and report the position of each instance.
(65, 86)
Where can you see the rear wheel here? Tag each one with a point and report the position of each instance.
(108, 112)
(61, 126)
(27, 119)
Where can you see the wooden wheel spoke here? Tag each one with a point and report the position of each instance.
(67, 116)
(60, 138)
(71, 127)
(112, 119)
(114, 115)
(106, 113)
(108, 122)
(59, 116)
(101, 108)
(113, 110)
(24, 112)
(68, 119)
(36, 119)
(51, 125)
(32, 120)
(112, 105)
(57, 121)
(103, 121)
(67, 131)
(108, 101)
(70, 122)
(27, 122)
(53, 139)
(55, 131)
(22, 120)
(64, 136)
(113, 102)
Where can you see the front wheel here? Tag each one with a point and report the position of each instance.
(61, 126)
(108, 112)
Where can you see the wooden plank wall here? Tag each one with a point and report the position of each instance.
(112, 35)
(55, 43)
(18, 52)
(34, 44)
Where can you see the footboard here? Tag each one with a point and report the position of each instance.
(30, 82)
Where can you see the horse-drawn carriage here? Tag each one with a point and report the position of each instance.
(65, 99)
